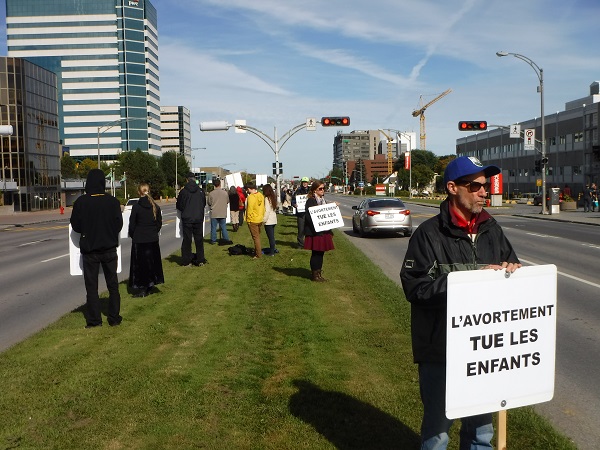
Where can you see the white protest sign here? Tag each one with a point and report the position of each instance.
(179, 225)
(501, 339)
(125, 230)
(326, 217)
(301, 203)
(75, 258)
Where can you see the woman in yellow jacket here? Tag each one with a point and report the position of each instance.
(255, 212)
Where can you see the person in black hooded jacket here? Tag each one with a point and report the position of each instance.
(97, 217)
(191, 203)
(145, 270)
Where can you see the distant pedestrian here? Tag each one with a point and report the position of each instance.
(191, 203)
(97, 217)
(218, 201)
(242, 196)
(299, 209)
(145, 270)
(255, 213)
(317, 241)
(234, 208)
(587, 198)
(270, 219)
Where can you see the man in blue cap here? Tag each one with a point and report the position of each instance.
(463, 236)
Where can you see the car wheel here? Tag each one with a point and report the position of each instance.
(361, 232)
(354, 229)
(408, 233)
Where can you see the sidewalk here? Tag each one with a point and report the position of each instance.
(20, 219)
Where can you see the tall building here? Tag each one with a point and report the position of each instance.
(175, 131)
(30, 157)
(572, 148)
(105, 55)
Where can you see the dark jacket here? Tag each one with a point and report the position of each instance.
(234, 200)
(191, 202)
(143, 227)
(300, 191)
(309, 227)
(436, 248)
(97, 216)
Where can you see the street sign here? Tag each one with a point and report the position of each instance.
(311, 124)
(529, 139)
(515, 131)
(501, 342)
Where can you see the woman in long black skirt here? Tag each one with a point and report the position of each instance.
(145, 223)
(319, 242)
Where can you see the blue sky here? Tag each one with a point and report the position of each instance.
(276, 63)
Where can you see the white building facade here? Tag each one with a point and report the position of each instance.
(175, 131)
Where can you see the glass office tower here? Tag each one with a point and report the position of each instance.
(105, 54)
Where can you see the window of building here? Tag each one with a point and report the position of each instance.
(577, 170)
(578, 137)
(563, 139)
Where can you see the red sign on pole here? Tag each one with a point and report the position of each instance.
(407, 160)
(496, 184)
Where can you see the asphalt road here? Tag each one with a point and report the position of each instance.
(37, 290)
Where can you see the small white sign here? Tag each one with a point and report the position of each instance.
(311, 124)
(326, 217)
(501, 339)
(529, 139)
(301, 203)
(236, 126)
(75, 258)
(125, 230)
(515, 131)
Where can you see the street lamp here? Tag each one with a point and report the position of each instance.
(273, 142)
(107, 126)
(540, 74)
(407, 136)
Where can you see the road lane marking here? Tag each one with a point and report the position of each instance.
(31, 243)
(543, 235)
(531, 263)
(56, 257)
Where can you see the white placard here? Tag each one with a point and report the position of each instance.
(261, 180)
(326, 217)
(301, 203)
(179, 225)
(501, 339)
(125, 229)
(75, 258)
(234, 179)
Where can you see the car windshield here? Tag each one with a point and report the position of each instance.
(388, 203)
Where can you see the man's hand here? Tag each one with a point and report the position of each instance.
(510, 267)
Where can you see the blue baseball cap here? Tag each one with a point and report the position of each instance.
(467, 165)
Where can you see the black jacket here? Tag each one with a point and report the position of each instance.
(191, 202)
(97, 216)
(436, 248)
(142, 226)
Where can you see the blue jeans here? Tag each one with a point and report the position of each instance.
(476, 432)
(270, 229)
(222, 222)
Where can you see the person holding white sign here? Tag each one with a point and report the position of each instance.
(318, 242)
(97, 216)
(298, 203)
(463, 236)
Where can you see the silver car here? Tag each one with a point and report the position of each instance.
(378, 215)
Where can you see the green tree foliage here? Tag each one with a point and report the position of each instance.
(424, 165)
(141, 167)
(68, 167)
(167, 164)
(85, 166)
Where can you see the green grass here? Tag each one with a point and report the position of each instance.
(239, 354)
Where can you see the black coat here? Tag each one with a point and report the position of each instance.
(142, 225)
(97, 216)
(191, 202)
(309, 227)
(436, 248)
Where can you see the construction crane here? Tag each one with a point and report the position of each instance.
(389, 151)
(421, 114)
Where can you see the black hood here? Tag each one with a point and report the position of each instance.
(96, 183)
(192, 186)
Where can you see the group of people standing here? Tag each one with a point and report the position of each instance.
(590, 198)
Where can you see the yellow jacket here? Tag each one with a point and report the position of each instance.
(255, 208)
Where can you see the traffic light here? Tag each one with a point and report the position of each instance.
(335, 121)
(538, 165)
(472, 125)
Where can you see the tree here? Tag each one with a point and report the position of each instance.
(167, 164)
(68, 167)
(141, 167)
(85, 166)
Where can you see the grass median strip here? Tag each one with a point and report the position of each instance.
(237, 354)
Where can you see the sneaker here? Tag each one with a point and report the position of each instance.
(93, 326)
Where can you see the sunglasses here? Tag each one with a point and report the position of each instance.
(321, 189)
(474, 186)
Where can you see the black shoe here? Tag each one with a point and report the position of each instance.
(115, 324)
(213, 243)
(225, 242)
(93, 326)
(142, 293)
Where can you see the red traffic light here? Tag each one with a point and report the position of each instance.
(335, 121)
(472, 125)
